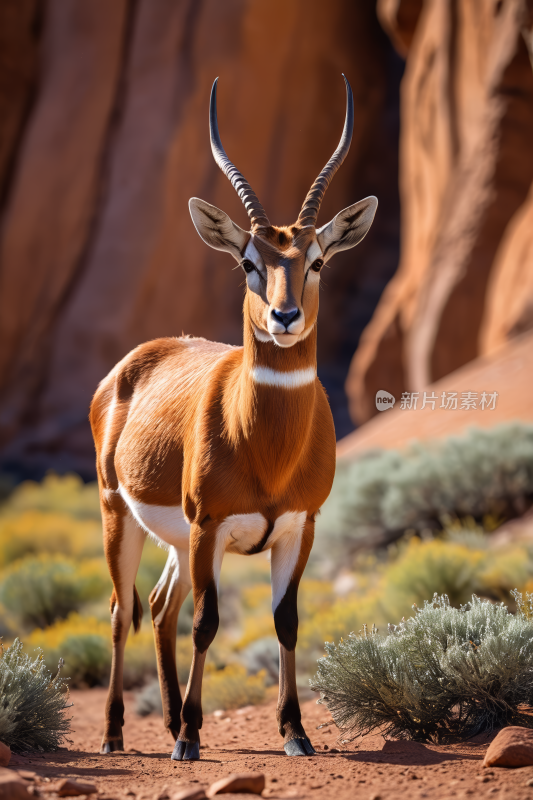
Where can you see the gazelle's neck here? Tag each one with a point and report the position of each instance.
(270, 403)
(287, 368)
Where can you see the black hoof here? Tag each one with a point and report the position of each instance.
(299, 747)
(186, 751)
(112, 746)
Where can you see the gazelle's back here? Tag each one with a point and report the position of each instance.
(141, 413)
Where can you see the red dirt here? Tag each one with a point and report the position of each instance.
(247, 740)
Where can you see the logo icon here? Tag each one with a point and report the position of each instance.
(384, 400)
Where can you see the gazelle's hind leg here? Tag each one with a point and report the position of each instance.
(206, 554)
(165, 602)
(289, 557)
(123, 545)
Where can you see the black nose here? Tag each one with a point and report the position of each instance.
(285, 317)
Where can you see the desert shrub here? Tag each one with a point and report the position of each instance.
(333, 621)
(455, 569)
(148, 700)
(31, 702)
(483, 474)
(231, 687)
(262, 655)
(424, 567)
(35, 532)
(224, 689)
(39, 590)
(443, 674)
(66, 494)
(85, 644)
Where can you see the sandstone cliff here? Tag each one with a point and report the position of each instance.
(465, 281)
(97, 249)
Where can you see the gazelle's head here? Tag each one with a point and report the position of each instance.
(282, 265)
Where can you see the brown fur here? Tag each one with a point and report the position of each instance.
(137, 608)
(180, 422)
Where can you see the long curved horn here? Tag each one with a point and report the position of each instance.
(252, 205)
(312, 202)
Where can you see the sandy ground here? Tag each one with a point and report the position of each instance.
(247, 740)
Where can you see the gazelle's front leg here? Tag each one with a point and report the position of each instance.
(289, 557)
(206, 554)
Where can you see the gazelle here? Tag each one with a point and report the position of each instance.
(210, 448)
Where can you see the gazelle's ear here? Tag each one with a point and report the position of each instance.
(348, 228)
(217, 229)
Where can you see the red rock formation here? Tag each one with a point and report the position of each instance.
(19, 22)
(509, 305)
(508, 372)
(466, 167)
(98, 252)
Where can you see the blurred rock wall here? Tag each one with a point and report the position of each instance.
(104, 138)
(464, 286)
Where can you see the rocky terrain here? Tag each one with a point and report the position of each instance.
(247, 741)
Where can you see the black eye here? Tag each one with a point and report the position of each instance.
(248, 266)
(317, 265)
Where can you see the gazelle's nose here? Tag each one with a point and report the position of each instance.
(285, 317)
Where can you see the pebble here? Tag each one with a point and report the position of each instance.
(69, 788)
(189, 794)
(512, 747)
(253, 782)
(12, 786)
(5, 755)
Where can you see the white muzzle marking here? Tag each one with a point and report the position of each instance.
(283, 380)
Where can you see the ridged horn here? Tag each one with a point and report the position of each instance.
(311, 207)
(252, 205)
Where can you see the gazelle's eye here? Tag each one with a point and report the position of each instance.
(248, 266)
(317, 265)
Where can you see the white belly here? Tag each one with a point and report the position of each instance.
(238, 533)
(166, 524)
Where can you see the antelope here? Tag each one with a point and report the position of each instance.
(210, 448)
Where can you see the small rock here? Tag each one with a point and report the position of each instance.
(12, 786)
(512, 747)
(253, 782)
(70, 788)
(27, 774)
(529, 782)
(326, 747)
(334, 750)
(5, 755)
(189, 794)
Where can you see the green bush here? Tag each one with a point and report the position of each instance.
(31, 702)
(483, 474)
(86, 647)
(442, 675)
(66, 494)
(88, 658)
(38, 591)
